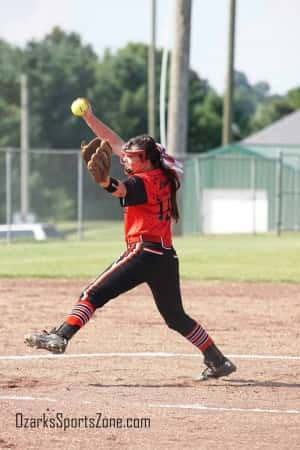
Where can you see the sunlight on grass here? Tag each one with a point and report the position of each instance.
(227, 258)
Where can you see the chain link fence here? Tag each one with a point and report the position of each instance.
(60, 189)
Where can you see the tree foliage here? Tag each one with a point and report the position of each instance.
(10, 68)
(120, 94)
(293, 98)
(269, 112)
(60, 68)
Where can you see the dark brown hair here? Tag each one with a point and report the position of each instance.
(147, 143)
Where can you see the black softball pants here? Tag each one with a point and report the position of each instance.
(144, 262)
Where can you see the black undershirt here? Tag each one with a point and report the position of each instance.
(135, 192)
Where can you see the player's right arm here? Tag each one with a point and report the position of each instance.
(103, 131)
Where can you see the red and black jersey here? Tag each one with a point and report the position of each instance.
(147, 208)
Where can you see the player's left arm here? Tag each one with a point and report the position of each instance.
(97, 155)
(132, 190)
(116, 187)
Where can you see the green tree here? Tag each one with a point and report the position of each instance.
(267, 113)
(293, 98)
(273, 108)
(10, 69)
(120, 93)
(60, 68)
(205, 116)
(247, 97)
(120, 98)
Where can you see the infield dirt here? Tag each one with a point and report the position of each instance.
(258, 407)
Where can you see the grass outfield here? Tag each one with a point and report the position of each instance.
(226, 258)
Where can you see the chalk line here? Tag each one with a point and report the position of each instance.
(137, 355)
(222, 409)
(170, 406)
(26, 397)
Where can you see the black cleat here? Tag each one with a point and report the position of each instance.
(48, 341)
(213, 371)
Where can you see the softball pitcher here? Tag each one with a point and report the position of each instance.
(148, 198)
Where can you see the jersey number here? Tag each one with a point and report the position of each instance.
(164, 209)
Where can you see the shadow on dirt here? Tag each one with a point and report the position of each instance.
(138, 385)
(19, 382)
(267, 383)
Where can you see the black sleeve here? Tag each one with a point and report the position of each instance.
(136, 192)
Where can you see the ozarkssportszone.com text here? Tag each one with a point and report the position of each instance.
(63, 422)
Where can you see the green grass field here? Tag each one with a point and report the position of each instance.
(226, 258)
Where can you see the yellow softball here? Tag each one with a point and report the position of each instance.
(79, 106)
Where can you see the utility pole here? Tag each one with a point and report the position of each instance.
(24, 158)
(228, 97)
(179, 79)
(179, 82)
(151, 72)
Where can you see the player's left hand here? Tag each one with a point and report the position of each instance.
(100, 162)
(87, 150)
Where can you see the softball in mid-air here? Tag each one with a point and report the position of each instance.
(79, 106)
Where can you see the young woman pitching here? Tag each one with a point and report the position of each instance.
(148, 198)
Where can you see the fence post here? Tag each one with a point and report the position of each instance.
(296, 197)
(253, 187)
(8, 194)
(279, 193)
(199, 224)
(80, 196)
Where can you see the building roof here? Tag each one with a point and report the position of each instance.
(290, 154)
(284, 131)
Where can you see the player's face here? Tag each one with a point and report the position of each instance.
(134, 161)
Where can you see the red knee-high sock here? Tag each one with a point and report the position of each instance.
(200, 338)
(81, 313)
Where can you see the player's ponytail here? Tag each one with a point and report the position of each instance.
(175, 185)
